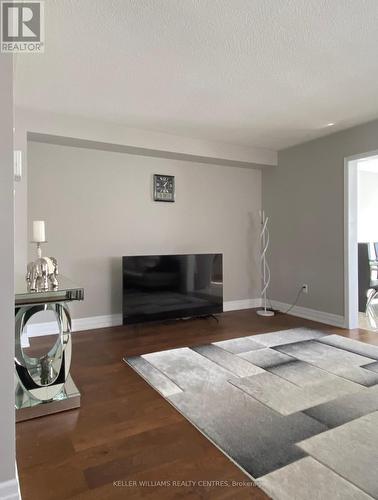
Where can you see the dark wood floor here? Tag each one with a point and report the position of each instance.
(125, 431)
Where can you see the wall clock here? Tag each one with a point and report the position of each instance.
(164, 187)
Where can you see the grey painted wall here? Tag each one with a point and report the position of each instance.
(98, 206)
(304, 198)
(7, 443)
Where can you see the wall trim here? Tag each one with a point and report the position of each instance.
(9, 490)
(351, 237)
(311, 314)
(238, 305)
(94, 322)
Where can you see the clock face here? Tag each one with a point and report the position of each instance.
(164, 187)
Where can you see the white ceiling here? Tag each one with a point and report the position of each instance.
(264, 73)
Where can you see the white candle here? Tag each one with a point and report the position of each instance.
(39, 230)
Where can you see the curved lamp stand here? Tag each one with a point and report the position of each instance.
(265, 271)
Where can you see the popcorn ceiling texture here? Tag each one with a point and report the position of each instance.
(258, 73)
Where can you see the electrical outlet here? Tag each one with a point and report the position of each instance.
(305, 288)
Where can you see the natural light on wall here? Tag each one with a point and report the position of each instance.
(368, 199)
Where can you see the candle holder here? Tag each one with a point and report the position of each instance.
(39, 248)
(42, 273)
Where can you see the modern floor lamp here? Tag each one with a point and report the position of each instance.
(265, 270)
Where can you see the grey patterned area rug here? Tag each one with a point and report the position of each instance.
(297, 409)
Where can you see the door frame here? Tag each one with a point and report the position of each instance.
(351, 238)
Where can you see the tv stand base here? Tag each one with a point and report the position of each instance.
(205, 316)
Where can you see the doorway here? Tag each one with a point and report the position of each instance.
(361, 241)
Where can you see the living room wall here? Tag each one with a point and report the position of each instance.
(98, 206)
(304, 198)
(8, 482)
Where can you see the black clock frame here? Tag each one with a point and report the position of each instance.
(173, 194)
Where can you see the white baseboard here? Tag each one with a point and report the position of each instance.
(94, 322)
(311, 314)
(237, 305)
(9, 490)
(91, 323)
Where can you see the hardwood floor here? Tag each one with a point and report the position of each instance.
(125, 431)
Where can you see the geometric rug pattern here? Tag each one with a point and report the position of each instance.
(296, 409)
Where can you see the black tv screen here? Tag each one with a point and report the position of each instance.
(158, 287)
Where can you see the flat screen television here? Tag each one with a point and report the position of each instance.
(159, 287)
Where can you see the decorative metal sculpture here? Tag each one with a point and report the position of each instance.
(265, 270)
(42, 273)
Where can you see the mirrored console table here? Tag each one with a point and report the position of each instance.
(43, 383)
